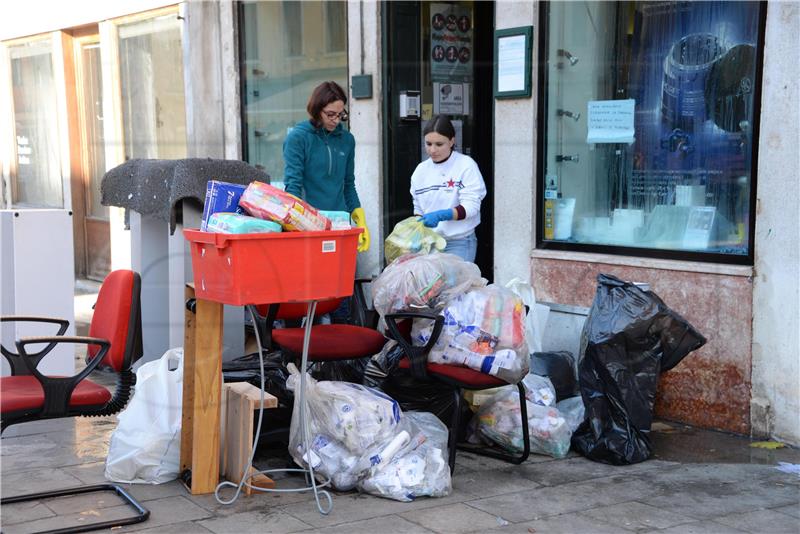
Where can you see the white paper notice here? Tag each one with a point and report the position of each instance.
(610, 121)
(511, 63)
(451, 98)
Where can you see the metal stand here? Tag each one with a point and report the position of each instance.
(300, 404)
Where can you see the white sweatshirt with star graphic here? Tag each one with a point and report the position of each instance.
(441, 186)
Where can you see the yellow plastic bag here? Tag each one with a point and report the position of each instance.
(410, 235)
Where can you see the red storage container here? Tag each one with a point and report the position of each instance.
(240, 269)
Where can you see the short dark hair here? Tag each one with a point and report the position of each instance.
(324, 94)
(440, 124)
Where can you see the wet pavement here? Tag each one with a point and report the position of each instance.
(698, 481)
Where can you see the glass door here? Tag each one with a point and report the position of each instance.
(36, 179)
(151, 79)
(95, 226)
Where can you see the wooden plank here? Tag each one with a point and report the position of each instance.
(207, 391)
(242, 399)
(258, 479)
(188, 383)
(251, 392)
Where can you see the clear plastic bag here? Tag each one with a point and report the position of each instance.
(484, 329)
(419, 467)
(145, 447)
(416, 281)
(347, 425)
(359, 437)
(499, 420)
(533, 330)
(411, 236)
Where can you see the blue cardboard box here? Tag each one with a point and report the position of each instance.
(221, 197)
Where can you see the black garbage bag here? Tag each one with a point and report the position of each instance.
(246, 369)
(559, 367)
(629, 338)
(342, 370)
(380, 366)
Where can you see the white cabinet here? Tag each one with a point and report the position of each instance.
(37, 273)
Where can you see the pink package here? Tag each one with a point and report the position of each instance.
(267, 202)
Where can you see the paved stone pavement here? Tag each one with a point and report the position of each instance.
(699, 481)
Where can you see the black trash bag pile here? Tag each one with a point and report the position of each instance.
(383, 364)
(341, 370)
(629, 338)
(559, 367)
(275, 427)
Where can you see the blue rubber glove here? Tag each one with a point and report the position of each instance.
(432, 219)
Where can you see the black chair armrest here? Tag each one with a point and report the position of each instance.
(263, 325)
(418, 356)
(13, 358)
(58, 390)
(360, 313)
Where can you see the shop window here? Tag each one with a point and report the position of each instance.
(151, 79)
(276, 86)
(648, 127)
(36, 175)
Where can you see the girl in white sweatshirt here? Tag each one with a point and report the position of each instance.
(447, 189)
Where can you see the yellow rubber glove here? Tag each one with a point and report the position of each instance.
(361, 221)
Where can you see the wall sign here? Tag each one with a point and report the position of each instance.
(451, 42)
(512, 62)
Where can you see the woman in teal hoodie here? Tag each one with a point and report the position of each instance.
(319, 158)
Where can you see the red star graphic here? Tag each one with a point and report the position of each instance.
(450, 183)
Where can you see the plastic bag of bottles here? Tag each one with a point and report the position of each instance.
(484, 329)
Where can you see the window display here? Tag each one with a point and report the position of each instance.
(649, 127)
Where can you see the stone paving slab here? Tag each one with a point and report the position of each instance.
(265, 521)
(767, 520)
(489, 495)
(636, 516)
(452, 518)
(385, 524)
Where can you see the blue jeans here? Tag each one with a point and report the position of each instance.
(463, 247)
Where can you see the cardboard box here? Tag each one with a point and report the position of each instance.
(221, 197)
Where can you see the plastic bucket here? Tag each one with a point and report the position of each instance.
(240, 269)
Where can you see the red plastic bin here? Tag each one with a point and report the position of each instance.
(241, 269)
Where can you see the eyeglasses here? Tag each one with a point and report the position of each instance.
(332, 115)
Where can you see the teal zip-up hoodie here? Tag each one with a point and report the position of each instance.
(319, 167)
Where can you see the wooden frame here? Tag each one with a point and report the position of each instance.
(517, 41)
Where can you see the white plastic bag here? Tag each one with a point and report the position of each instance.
(146, 445)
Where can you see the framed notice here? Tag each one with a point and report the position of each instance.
(512, 62)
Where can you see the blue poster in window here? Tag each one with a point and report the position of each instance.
(692, 76)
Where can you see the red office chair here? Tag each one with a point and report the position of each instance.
(458, 378)
(115, 338)
(328, 342)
